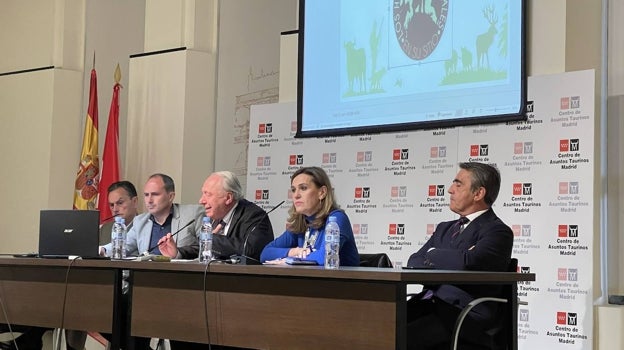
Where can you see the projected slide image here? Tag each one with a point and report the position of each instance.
(417, 63)
(412, 46)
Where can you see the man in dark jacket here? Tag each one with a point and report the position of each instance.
(478, 240)
(240, 227)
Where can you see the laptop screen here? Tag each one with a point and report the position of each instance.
(64, 233)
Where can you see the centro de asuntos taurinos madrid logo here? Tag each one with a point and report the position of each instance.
(418, 25)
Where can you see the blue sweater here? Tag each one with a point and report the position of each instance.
(348, 250)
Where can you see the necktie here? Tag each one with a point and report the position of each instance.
(216, 223)
(458, 226)
(223, 224)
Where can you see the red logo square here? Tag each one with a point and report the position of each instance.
(562, 317)
(474, 150)
(394, 191)
(392, 229)
(562, 231)
(433, 153)
(432, 190)
(396, 154)
(360, 157)
(565, 103)
(430, 229)
(517, 189)
(562, 274)
(358, 192)
(564, 145)
(563, 188)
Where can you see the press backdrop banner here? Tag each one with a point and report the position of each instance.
(394, 187)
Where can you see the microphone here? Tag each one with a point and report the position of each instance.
(110, 217)
(243, 259)
(146, 253)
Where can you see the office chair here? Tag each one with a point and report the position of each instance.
(375, 260)
(496, 333)
(24, 336)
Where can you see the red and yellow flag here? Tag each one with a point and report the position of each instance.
(110, 157)
(88, 178)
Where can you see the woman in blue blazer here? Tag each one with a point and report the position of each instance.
(313, 204)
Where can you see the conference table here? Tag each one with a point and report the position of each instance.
(288, 307)
(261, 307)
(62, 293)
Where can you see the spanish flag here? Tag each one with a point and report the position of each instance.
(110, 157)
(88, 178)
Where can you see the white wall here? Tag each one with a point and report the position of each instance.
(248, 71)
(39, 111)
(171, 120)
(615, 93)
(123, 36)
(35, 23)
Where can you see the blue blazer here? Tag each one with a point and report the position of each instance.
(348, 250)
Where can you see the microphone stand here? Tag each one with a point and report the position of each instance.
(110, 217)
(147, 252)
(244, 259)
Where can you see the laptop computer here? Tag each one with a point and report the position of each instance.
(66, 233)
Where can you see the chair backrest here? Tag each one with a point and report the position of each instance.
(497, 335)
(513, 265)
(375, 260)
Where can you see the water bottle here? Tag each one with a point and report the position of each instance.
(332, 244)
(118, 238)
(205, 241)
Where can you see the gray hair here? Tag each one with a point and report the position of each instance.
(231, 184)
(486, 176)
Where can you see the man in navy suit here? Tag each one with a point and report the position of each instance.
(478, 240)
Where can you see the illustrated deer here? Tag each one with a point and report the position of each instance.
(485, 40)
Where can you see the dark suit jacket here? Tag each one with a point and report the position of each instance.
(493, 243)
(249, 223)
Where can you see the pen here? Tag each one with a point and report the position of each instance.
(146, 253)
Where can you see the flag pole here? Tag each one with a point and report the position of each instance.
(88, 175)
(110, 157)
